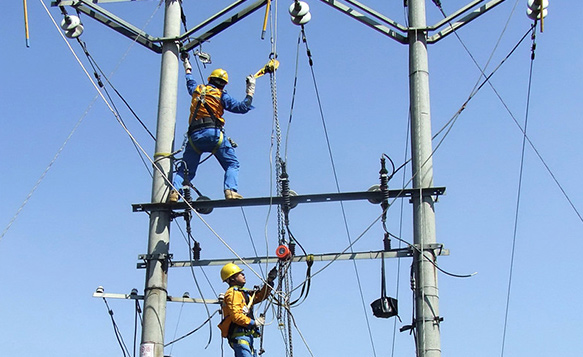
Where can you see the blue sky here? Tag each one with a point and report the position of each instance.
(78, 231)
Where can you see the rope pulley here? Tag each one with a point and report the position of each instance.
(283, 252)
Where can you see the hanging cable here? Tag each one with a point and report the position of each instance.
(56, 156)
(401, 215)
(118, 335)
(513, 250)
(310, 60)
(96, 68)
(193, 331)
(137, 319)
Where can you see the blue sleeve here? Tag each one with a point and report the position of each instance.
(234, 106)
(190, 83)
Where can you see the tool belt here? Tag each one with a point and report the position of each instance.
(203, 123)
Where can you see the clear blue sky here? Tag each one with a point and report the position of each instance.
(78, 230)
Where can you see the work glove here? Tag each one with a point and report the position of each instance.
(186, 64)
(250, 85)
(260, 321)
(271, 276)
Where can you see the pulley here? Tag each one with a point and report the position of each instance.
(203, 57)
(283, 252)
(300, 13)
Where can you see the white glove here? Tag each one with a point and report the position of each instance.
(250, 85)
(260, 321)
(187, 66)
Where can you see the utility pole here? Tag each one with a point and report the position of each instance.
(157, 259)
(426, 293)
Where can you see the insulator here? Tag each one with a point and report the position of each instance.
(292, 247)
(70, 22)
(533, 15)
(74, 33)
(196, 250)
(534, 5)
(387, 242)
(300, 12)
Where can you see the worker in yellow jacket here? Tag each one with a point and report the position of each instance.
(239, 326)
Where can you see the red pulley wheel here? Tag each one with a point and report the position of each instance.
(282, 252)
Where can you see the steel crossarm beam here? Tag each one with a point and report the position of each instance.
(141, 297)
(378, 15)
(70, 2)
(89, 8)
(393, 253)
(463, 21)
(220, 27)
(372, 196)
(368, 21)
(454, 15)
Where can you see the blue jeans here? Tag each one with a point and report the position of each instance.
(205, 140)
(243, 349)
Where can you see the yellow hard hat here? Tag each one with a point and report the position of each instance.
(220, 74)
(229, 270)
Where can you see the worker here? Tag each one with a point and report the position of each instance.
(239, 326)
(206, 127)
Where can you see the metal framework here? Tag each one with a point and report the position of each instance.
(400, 33)
(393, 253)
(373, 196)
(91, 9)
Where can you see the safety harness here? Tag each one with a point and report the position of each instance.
(231, 330)
(208, 119)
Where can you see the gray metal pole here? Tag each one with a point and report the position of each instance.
(426, 292)
(155, 292)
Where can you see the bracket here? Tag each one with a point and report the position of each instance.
(157, 256)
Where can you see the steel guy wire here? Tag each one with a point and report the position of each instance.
(150, 159)
(518, 194)
(89, 107)
(337, 186)
(401, 215)
(474, 91)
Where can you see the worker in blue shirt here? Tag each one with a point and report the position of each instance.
(206, 127)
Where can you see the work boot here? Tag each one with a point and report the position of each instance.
(232, 195)
(173, 197)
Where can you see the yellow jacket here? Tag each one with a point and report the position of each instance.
(238, 311)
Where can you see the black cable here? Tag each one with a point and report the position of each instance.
(309, 54)
(518, 194)
(95, 65)
(118, 335)
(193, 331)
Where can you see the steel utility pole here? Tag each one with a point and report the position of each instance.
(155, 292)
(426, 293)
